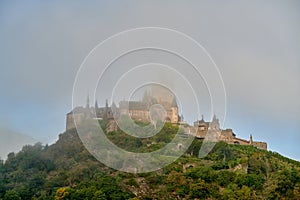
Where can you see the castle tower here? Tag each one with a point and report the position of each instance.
(87, 102)
(215, 123)
(106, 103)
(105, 114)
(174, 103)
(251, 140)
(215, 118)
(146, 96)
(96, 109)
(174, 108)
(96, 105)
(114, 108)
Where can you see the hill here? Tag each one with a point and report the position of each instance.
(66, 170)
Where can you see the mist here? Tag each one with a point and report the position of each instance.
(255, 45)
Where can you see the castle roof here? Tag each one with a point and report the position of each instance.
(134, 105)
(174, 102)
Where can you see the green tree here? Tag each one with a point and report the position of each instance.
(199, 190)
(177, 182)
(224, 177)
(12, 195)
(99, 195)
(245, 193)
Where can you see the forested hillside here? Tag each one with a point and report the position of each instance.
(66, 170)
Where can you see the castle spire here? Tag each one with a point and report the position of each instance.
(113, 106)
(96, 105)
(88, 101)
(174, 103)
(106, 103)
(145, 96)
(181, 118)
(215, 117)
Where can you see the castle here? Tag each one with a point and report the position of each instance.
(201, 128)
(136, 110)
(139, 111)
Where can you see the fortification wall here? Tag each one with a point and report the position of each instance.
(260, 145)
(71, 120)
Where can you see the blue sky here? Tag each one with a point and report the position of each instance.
(255, 44)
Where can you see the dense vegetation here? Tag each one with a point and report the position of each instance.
(65, 170)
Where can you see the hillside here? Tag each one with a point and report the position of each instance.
(65, 170)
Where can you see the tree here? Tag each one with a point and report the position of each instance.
(199, 190)
(224, 177)
(244, 193)
(297, 191)
(62, 193)
(12, 195)
(99, 195)
(176, 182)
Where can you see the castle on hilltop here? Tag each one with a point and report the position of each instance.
(136, 110)
(140, 111)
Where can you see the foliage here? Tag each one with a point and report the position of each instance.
(66, 170)
(12, 195)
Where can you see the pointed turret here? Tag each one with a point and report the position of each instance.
(202, 118)
(106, 111)
(181, 117)
(88, 102)
(145, 96)
(106, 103)
(215, 123)
(174, 102)
(215, 118)
(96, 105)
(113, 106)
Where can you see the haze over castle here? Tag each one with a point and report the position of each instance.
(147, 109)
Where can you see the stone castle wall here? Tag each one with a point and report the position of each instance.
(71, 118)
(201, 129)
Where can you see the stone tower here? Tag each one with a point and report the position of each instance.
(174, 108)
(215, 124)
(96, 105)
(87, 102)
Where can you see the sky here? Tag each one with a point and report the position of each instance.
(255, 44)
